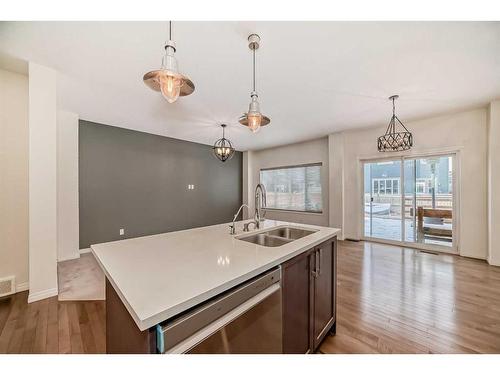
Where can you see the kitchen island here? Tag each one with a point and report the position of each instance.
(155, 279)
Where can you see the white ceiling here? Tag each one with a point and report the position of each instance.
(313, 78)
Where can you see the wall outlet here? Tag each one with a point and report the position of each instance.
(122, 232)
(190, 187)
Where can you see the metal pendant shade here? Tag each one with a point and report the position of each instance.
(254, 119)
(223, 148)
(394, 140)
(167, 79)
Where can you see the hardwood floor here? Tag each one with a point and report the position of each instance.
(395, 300)
(51, 326)
(390, 300)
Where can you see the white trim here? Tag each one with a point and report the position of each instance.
(455, 154)
(411, 154)
(21, 287)
(413, 245)
(491, 262)
(33, 297)
(85, 251)
(69, 258)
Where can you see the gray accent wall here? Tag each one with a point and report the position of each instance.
(139, 182)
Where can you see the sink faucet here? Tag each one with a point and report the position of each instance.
(260, 204)
(232, 230)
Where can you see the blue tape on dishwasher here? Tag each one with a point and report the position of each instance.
(160, 343)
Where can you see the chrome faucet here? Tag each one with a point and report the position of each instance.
(232, 229)
(260, 204)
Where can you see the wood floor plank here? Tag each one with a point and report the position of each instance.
(40, 343)
(52, 327)
(64, 339)
(88, 341)
(19, 317)
(31, 324)
(74, 329)
(98, 331)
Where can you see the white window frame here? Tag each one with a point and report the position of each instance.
(318, 164)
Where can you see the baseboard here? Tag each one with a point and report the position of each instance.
(21, 287)
(491, 262)
(69, 258)
(84, 251)
(33, 297)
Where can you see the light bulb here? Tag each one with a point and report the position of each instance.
(170, 87)
(254, 121)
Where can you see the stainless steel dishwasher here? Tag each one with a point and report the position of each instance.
(244, 320)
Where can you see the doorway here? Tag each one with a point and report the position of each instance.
(411, 200)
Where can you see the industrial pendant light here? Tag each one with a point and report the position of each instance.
(168, 80)
(223, 148)
(254, 119)
(394, 140)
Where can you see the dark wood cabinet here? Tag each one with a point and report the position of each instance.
(309, 298)
(324, 292)
(297, 312)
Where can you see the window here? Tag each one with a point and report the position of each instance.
(385, 186)
(423, 185)
(296, 188)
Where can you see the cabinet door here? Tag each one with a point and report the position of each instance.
(324, 258)
(297, 309)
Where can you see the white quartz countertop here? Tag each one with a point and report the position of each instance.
(160, 276)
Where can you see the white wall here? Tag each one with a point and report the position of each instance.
(494, 183)
(248, 182)
(42, 183)
(336, 180)
(295, 154)
(67, 186)
(464, 132)
(14, 214)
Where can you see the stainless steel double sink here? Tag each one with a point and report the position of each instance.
(277, 237)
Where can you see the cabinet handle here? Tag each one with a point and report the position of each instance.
(319, 262)
(314, 272)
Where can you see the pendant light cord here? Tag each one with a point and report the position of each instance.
(169, 30)
(254, 69)
(393, 116)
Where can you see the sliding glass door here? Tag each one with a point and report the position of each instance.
(382, 198)
(411, 200)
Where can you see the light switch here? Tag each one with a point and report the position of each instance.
(122, 232)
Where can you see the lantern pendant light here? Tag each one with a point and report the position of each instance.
(254, 119)
(168, 80)
(223, 148)
(394, 140)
